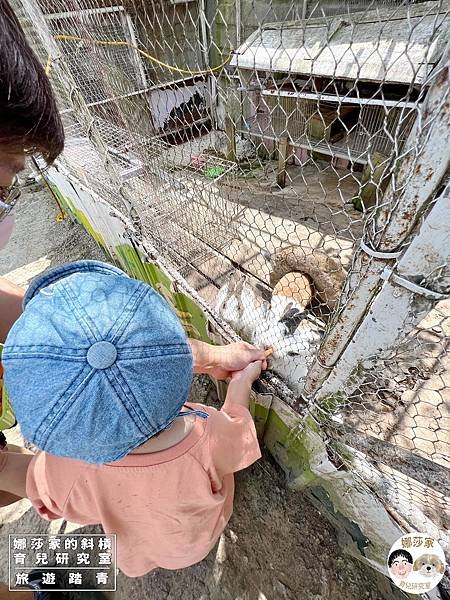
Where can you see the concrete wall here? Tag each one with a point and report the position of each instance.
(221, 16)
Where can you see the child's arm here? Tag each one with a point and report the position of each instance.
(241, 384)
(233, 441)
(11, 297)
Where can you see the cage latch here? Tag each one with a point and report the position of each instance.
(382, 255)
(389, 275)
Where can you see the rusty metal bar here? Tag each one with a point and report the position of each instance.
(390, 317)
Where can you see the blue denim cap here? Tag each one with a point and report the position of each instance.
(97, 363)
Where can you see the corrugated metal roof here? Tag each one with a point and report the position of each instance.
(394, 45)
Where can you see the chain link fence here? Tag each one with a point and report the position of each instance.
(287, 159)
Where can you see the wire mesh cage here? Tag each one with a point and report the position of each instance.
(280, 157)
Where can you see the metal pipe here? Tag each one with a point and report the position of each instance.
(304, 8)
(81, 12)
(342, 99)
(204, 37)
(238, 22)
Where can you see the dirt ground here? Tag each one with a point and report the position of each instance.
(277, 545)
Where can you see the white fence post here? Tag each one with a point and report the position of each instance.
(425, 161)
(404, 300)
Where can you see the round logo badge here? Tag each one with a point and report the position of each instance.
(416, 563)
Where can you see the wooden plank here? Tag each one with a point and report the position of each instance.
(371, 16)
(230, 130)
(423, 470)
(283, 155)
(418, 40)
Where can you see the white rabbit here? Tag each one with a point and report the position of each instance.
(281, 321)
(280, 324)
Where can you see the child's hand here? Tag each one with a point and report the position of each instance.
(241, 382)
(249, 374)
(225, 360)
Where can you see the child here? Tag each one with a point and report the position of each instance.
(98, 370)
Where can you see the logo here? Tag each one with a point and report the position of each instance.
(416, 563)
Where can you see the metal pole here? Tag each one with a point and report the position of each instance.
(131, 38)
(304, 8)
(204, 37)
(238, 22)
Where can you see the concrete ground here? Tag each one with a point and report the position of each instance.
(277, 546)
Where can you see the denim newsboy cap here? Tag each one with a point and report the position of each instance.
(97, 363)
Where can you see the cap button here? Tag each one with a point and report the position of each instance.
(101, 355)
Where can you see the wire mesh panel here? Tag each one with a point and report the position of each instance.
(345, 131)
(257, 147)
(397, 418)
(73, 32)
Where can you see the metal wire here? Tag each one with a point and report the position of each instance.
(297, 141)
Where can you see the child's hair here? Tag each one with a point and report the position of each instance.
(400, 553)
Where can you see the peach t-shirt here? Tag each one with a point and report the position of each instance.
(167, 508)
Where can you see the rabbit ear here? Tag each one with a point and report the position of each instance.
(234, 283)
(291, 318)
(286, 310)
(263, 292)
(222, 296)
(239, 286)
